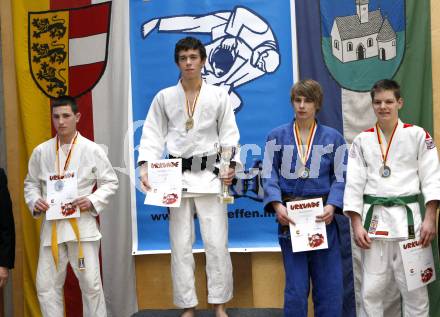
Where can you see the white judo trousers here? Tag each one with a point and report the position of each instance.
(381, 264)
(50, 281)
(213, 220)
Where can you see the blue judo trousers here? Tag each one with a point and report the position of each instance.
(322, 267)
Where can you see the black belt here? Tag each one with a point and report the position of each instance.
(199, 163)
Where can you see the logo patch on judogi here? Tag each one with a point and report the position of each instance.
(429, 141)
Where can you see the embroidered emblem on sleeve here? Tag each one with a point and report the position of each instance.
(429, 141)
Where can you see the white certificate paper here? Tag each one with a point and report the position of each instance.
(165, 178)
(418, 264)
(307, 234)
(61, 191)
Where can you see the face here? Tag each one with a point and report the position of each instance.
(64, 121)
(386, 106)
(190, 64)
(305, 108)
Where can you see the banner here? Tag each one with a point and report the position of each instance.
(347, 45)
(74, 47)
(260, 94)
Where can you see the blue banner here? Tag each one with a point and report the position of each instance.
(259, 94)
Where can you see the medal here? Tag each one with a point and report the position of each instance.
(304, 172)
(385, 171)
(189, 124)
(59, 185)
(304, 152)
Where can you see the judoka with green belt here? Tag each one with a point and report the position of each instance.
(389, 165)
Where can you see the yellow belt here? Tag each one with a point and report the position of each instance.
(74, 224)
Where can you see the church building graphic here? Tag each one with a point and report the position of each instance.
(363, 35)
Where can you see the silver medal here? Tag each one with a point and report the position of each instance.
(385, 171)
(304, 173)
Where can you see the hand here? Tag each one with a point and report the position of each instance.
(282, 216)
(328, 215)
(41, 205)
(361, 237)
(4, 273)
(228, 177)
(428, 230)
(145, 185)
(229, 43)
(83, 203)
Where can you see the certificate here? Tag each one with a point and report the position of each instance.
(61, 191)
(165, 178)
(418, 264)
(307, 234)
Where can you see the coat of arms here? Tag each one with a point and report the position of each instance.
(68, 48)
(362, 40)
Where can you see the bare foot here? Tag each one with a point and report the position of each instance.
(220, 310)
(188, 312)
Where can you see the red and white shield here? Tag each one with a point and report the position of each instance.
(68, 48)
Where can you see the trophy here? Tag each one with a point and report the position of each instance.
(226, 154)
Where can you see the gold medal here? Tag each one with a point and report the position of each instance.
(189, 124)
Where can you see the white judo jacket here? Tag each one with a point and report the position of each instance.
(214, 124)
(93, 168)
(414, 165)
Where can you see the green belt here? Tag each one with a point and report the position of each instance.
(389, 202)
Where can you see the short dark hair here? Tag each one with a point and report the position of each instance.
(189, 43)
(65, 101)
(386, 84)
(310, 89)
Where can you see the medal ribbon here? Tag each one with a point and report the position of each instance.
(190, 109)
(379, 139)
(69, 154)
(304, 155)
(73, 222)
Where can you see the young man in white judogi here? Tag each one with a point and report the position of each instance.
(389, 165)
(190, 119)
(63, 241)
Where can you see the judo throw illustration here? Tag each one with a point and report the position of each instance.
(243, 46)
